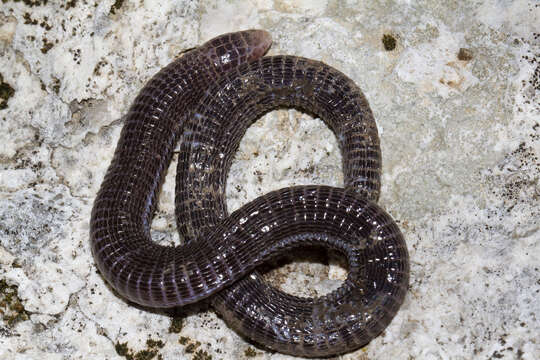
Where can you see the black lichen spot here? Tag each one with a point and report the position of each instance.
(116, 6)
(190, 348)
(144, 355)
(202, 355)
(389, 42)
(464, 54)
(45, 25)
(46, 46)
(176, 325)
(534, 59)
(71, 4)
(99, 66)
(11, 308)
(514, 188)
(259, 175)
(56, 85)
(28, 19)
(535, 136)
(29, 3)
(122, 349)
(250, 352)
(76, 55)
(535, 80)
(6, 91)
(154, 344)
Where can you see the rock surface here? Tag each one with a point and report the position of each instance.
(454, 87)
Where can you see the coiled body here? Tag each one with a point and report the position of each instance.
(207, 99)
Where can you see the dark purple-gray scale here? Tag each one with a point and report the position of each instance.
(206, 100)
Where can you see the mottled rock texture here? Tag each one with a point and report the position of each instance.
(454, 87)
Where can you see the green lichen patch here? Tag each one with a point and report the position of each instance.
(192, 347)
(150, 352)
(389, 42)
(11, 308)
(6, 91)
